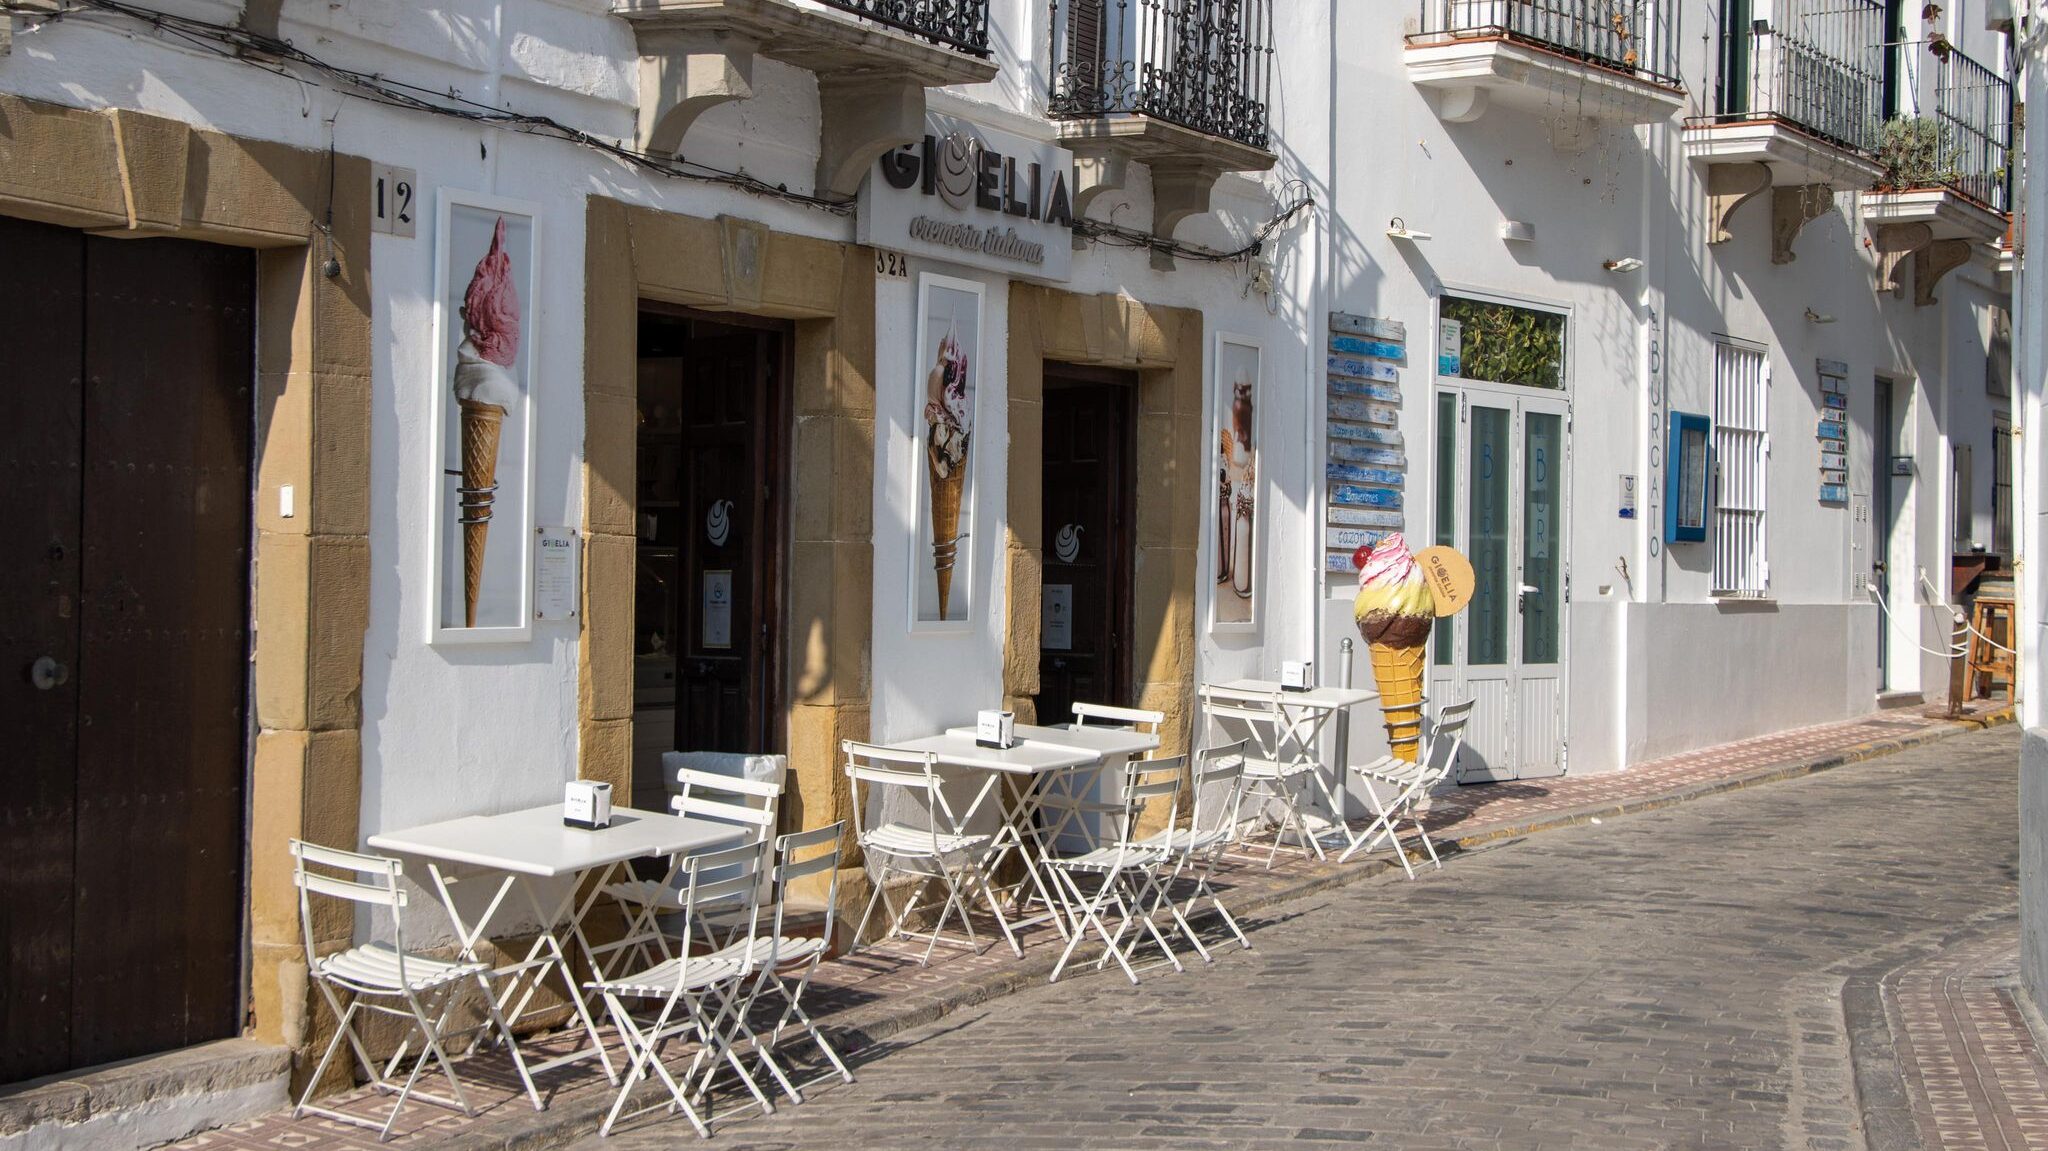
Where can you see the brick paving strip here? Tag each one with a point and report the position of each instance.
(1944, 1055)
(881, 990)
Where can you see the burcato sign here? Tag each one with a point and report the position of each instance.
(966, 194)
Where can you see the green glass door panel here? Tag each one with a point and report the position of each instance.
(1488, 525)
(1446, 502)
(1542, 545)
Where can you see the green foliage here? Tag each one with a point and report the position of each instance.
(1914, 154)
(1503, 344)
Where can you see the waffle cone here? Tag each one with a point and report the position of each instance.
(481, 424)
(945, 526)
(1397, 671)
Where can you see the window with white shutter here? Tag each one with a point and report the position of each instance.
(1742, 454)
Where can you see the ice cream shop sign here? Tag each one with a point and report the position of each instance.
(975, 196)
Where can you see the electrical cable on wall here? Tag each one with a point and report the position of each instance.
(266, 53)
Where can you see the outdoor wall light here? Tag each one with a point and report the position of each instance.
(1518, 231)
(1623, 266)
(1813, 317)
(1398, 229)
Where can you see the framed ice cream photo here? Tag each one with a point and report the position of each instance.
(945, 371)
(1233, 501)
(482, 421)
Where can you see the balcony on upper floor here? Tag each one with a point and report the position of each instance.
(873, 60)
(1587, 59)
(1945, 189)
(1179, 85)
(1798, 104)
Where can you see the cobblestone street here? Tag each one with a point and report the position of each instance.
(1667, 980)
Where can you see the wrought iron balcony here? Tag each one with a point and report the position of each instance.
(1819, 67)
(961, 24)
(1205, 65)
(1633, 37)
(1974, 110)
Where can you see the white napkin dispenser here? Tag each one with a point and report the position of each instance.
(1297, 675)
(587, 804)
(995, 728)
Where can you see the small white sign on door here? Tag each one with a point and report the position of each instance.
(554, 574)
(717, 614)
(1056, 626)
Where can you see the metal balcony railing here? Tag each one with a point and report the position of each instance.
(1973, 106)
(958, 24)
(1820, 67)
(1635, 37)
(1202, 64)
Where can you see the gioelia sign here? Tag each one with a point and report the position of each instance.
(972, 195)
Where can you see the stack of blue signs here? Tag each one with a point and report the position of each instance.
(1833, 432)
(1367, 467)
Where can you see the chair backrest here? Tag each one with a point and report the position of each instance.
(1141, 720)
(874, 772)
(1218, 786)
(370, 880)
(1447, 738)
(1146, 780)
(789, 869)
(755, 781)
(1255, 717)
(729, 880)
(727, 799)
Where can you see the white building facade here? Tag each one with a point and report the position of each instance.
(1192, 299)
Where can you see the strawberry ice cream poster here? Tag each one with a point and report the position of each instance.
(483, 427)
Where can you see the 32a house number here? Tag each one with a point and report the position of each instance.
(891, 265)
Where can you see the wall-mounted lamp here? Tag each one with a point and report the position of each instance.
(1813, 317)
(1623, 266)
(1398, 229)
(1518, 231)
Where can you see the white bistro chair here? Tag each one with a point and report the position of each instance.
(787, 962)
(1189, 855)
(1064, 824)
(703, 995)
(385, 979)
(741, 790)
(1123, 872)
(1280, 762)
(914, 832)
(1408, 784)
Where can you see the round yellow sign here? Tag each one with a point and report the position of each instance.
(1450, 578)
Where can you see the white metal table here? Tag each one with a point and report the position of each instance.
(1307, 713)
(527, 847)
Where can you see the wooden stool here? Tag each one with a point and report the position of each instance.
(1993, 618)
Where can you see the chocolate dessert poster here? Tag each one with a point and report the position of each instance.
(946, 372)
(1233, 500)
(484, 346)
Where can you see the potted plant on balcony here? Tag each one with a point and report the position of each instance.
(1914, 154)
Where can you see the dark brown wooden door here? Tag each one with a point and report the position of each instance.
(1089, 526)
(727, 606)
(125, 418)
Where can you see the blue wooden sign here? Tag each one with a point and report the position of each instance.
(1835, 400)
(1348, 346)
(1351, 539)
(1378, 329)
(1361, 475)
(1351, 367)
(1351, 453)
(1386, 437)
(1834, 494)
(1360, 389)
(1338, 563)
(1364, 410)
(1832, 431)
(1363, 497)
(1366, 518)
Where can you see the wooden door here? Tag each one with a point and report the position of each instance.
(729, 541)
(129, 410)
(1089, 526)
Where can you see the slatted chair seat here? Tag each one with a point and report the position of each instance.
(1105, 859)
(375, 967)
(1180, 839)
(1125, 874)
(903, 839)
(943, 853)
(659, 981)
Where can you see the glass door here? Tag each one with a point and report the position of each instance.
(1500, 499)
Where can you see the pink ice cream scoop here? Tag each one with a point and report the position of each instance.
(490, 308)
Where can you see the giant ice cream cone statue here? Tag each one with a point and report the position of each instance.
(485, 390)
(948, 418)
(1395, 611)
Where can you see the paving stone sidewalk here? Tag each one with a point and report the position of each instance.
(882, 991)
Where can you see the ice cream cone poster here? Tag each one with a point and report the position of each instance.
(1233, 598)
(482, 423)
(946, 374)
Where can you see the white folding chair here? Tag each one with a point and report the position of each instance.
(1279, 760)
(788, 961)
(701, 790)
(1122, 871)
(704, 996)
(944, 850)
(385, 979)
(1189, 855)
(1410, 784)
(1073, 804)
(1142, 720)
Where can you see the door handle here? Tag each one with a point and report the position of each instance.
(1530, 589)
(48, 673)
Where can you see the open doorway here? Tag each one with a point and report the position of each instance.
(711, 520)
(1090, 527)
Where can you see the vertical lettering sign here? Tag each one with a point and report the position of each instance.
(972, 195)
